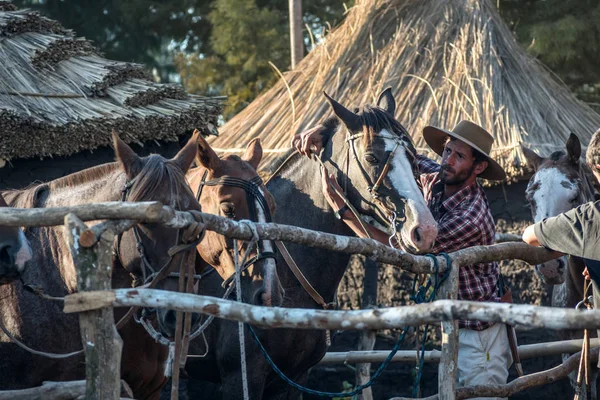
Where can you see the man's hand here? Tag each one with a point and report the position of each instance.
(308, 142)
(329, 183)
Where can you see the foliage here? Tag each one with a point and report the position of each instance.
(246, 36)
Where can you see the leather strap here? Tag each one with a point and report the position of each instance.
(300, 276)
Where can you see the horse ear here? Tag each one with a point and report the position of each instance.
(205, 155)
(386, 101)
(533, 160)
(130, 162)
(350, 119)
(2, 201)
(573, 148)
(186, 155)
(254, 153)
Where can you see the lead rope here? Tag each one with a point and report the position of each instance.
(238, 284)
(584, 362)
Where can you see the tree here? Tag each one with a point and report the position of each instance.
(247, 35)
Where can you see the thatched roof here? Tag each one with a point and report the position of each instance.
(58, 96)
(446, 60)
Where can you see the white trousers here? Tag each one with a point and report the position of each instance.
(483, 357)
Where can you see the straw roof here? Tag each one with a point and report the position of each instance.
(446, 60)
(58, 96)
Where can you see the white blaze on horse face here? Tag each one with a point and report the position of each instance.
(24, 254)
(554, 193)
(421, 233)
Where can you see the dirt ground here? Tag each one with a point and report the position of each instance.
(512, 215)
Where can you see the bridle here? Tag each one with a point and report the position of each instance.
(374, 187)
(151, 276)
(253, 193)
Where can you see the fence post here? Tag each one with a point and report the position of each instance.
(448, 369)
(367, 338)
(101, 341)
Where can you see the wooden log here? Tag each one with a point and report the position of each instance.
(56, 391)
(101, 342)
(518, 385)
(433, 356)
(448, 368)
(142, 211)
(153, 212)
(381, 318)
(507, 237)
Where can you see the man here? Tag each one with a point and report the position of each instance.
(460, 207)
(576, 232)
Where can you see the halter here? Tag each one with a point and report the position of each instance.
(373, 188)
(252, 189)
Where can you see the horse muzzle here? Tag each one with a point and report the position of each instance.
(552, 272)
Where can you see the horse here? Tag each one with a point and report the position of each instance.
(364, 148)
(560, 183)
(14, 251)
(40, 323)
(230, 187)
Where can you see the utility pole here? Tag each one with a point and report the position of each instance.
(296, 40)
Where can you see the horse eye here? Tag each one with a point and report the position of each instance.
(370, 158)
(228, 210)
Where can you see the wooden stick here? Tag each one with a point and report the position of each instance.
(382, 318)
(518, 385)
(448, 368)
(101, 342)
(153, 212)
(433, 356)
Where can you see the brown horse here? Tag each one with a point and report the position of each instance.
(14, 251)
(560, 183)
(230, 187)
(356, 146)
(40, 323)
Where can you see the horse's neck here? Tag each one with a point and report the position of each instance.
(300, 201)
(99, 189)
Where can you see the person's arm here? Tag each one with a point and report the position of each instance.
(531, 239)
(426, 165)
(337, 203)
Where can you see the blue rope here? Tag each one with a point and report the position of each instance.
(356, 391)
(420, 295)
(421, 298)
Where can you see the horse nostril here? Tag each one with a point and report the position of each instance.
(261, 298)
(170, 318)
(415, 235)
(6, 255)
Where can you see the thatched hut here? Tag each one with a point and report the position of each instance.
(60, 98)
(445, 60)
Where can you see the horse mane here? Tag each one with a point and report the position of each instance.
(375, 120)
(155, 172)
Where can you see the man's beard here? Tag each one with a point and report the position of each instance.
(456, 179)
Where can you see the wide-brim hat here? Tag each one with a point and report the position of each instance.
(471, 134)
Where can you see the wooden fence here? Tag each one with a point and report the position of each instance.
(94, 301)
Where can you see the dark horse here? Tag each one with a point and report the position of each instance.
(356, 146)
(14, 251)
(40, 323)
(560, 183)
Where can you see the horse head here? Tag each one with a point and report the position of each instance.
(377, 156)
(146, 251)
(557, 185)
(14, 251)
(230, 187)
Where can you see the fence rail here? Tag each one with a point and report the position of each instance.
(123, 215)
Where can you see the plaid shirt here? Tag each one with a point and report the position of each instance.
(464, 220)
